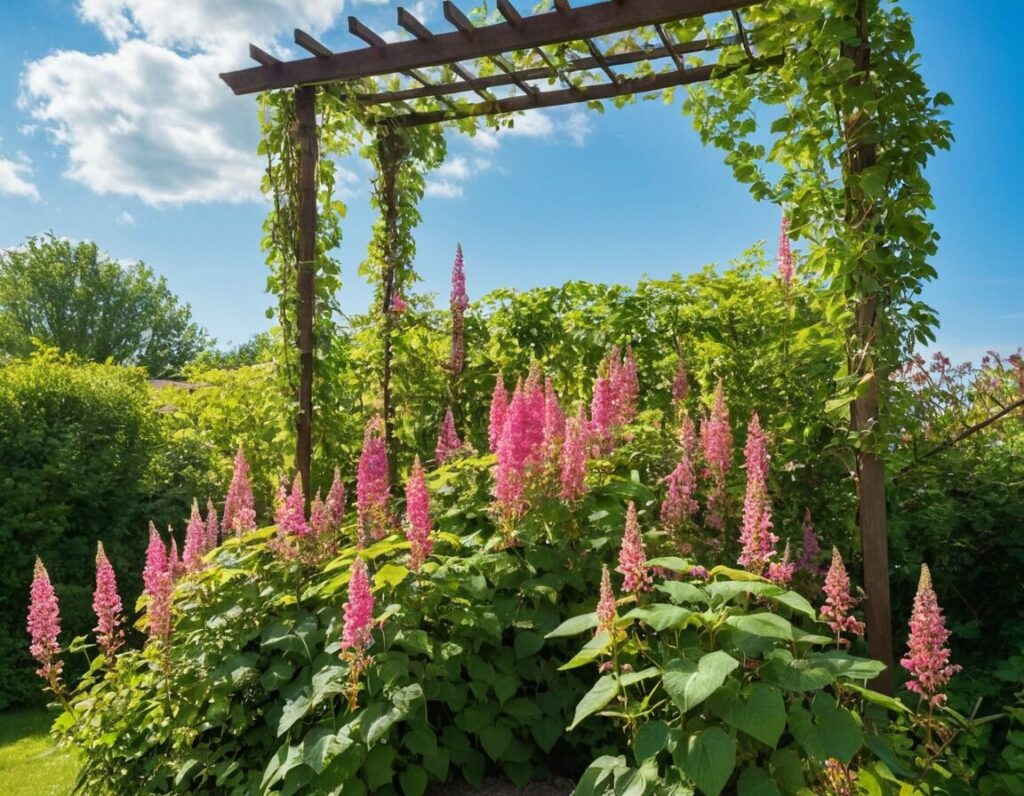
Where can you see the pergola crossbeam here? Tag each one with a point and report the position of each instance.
(311, 45)
(529, 32)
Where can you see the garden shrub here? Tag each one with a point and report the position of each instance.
(76, 443)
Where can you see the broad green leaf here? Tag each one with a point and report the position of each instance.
(294, 710)
(766, 625)
(603, 692)
(422, 741)
(671, 563)
(413, 781)
(680, 592)
(390, 575)
(495, 739)
(661, 616)
(756, 709)
(378, 767)
(574, 626)
(755, 781)
(321, 745)
(794, 674)
(650, 739)
(708, 759)
(591, 651)
(826, 730)
(527, 643)
(842, 664)
(887, 702)
(689, 684)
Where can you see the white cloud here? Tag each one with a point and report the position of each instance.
(125, 219)
(538, 124)
(443, 189)
(15, 179)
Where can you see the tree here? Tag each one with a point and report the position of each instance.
(73, 297)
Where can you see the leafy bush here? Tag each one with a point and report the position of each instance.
(76, 442)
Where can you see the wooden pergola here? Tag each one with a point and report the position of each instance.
(515, 63)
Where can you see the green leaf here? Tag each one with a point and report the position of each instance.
(756, 709)
(661, 616)
(574, 626)
(826, 730)
(690, 684)
(321, 745)
(650, 739)
(683, 592)
(603, 692)
(887, 702)
(413, 781)
(390, 575)
(294, 710)
(842, 664)
(755, 781)
(422, 741)
(873, 181)
(527, 643)
(794, 674)
(787, 771)
(378, 766)
(708, 759)
(495, 739)
(766, 625)
(591, 651)
(671, 563)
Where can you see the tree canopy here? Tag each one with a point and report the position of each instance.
(72, 296)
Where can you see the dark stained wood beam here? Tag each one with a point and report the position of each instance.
(454, 15)
(554, 27)
(671, 47)
(507, 10)
(540, 73)
(357, 28)
(413, 25)
(262, 57)
(598, 56)
(311, 45)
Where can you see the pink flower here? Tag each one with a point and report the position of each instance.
(212, 527)
(681, 382)
(459, 303)
(175, 565)
(398, 304)
(607, 611)
(697, 571)
(625, 389)
(573, 458)
(839, 602)
(448, 442)
(554, 420)
(106, 603)
(536, 406)
(632, 558)
(336, 502)
(195, 541)
(499, 411)
(927, 659)
(158, 580)
(417, 516)
(602, 408)
(756, 536)
(319, 521)
(356, 634)
(373, 485)
(44, 624)
(716, 437)
(781, 572)
(239, 506)
(810, 552)
(785, 255)
(520, 444)
(679, 504)
(156, 561)
(291, 515)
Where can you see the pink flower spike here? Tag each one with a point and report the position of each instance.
(625, 389)
(212, 526)
(632, 558)
(175, 565)
(157, 563)
(398, 304)
(573, 458)
(781, 572)
(499, 411)
(291, 515)
(602, 408)
(44, 624)
(417, 517)
(106, 603)
(448, 442)
(373, 484)
(158, 580)
(319, 521)
(699, 572)
(839, 602)
(607, 610)
(459, 304)
(810, 552)
(927, 659)
(756, 536)
(336, 502)
(356, 634)
(195, 541)
(239, 505)
(681, 383)
(554, 420)
(679, 504)
(717, 435)
(785, 254)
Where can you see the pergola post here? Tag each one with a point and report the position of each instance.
(305, 257)
(389, 154)
(870, 468)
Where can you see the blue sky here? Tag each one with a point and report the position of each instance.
(114, 127)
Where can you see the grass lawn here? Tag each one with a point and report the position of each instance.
(30, 765)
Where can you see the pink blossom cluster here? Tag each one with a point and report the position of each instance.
(554, 422)
(632, 557)
(679, 504)
(810, 551)
(373, 485)
(521, 443)
(158, 584)
(716, 439)
(616, 394)
(756, 537)
(398, 304)
(44, 624)
(785, 254)
(607, 611)
(781, 572)
(195, 541)
(680, 383)
(325, 516)
(212, 526)
(291, 512)
(927, 658)
(499, 412)
(459, 304)
(356, 632)
(418, 525)
(448, 443)
(573, 457)
(106, 604)
(239, 506)
(839, 602)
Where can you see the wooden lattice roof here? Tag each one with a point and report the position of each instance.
(520, 62)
